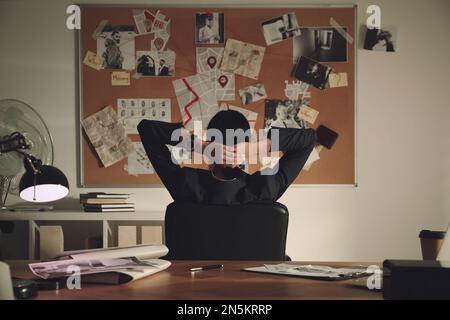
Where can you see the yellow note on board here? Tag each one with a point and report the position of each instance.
(120, 78)
(92, 60)
(338, 80)
(308, 114)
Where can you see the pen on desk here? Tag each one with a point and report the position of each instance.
(211, 266)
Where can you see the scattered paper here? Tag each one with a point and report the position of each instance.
(336, 80)
(196, 96)
(242, 58)
(133, 111)
(92, 60)
(107, 135)
(312, 271)
(313, 157)
(120, 78)
(224, 85)
(308, 114)
(295, 89)
(253, 93)
(144, 21)
(138, 162)
(208, 58)
(160, 40)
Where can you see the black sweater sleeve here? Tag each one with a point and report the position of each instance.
(155, 135)
(296, 145)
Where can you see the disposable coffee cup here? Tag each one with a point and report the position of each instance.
(431, 242)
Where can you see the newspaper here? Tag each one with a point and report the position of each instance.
(242, 58)
(108, 136)
(312, 271)
(131, 263)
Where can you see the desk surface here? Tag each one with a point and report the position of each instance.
(177, 282)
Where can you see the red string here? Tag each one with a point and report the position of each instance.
(187, 106)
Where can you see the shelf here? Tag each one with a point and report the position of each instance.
(82, 216)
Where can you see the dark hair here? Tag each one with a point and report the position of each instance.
(228, 119)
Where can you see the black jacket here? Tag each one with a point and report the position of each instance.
(200, 186)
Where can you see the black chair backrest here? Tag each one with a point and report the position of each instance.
(253, 231)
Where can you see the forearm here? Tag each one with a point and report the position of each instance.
(291, 140)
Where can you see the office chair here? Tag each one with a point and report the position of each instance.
(253, 231)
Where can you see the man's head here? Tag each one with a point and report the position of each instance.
(115, 35)
(162, 62)
(209, 19)
(281, 112)
(235, 122)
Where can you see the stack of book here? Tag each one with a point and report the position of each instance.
(106, 202)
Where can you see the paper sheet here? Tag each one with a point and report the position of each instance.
(132, 111)
(242, 58)
(336, 80)
(138, 162)
(107, 135)
(196, 97)
(208, 58)
(308, 114)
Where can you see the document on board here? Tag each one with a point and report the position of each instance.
(312, 271)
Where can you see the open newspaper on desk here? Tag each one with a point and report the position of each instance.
(115, 265)
(312, 271)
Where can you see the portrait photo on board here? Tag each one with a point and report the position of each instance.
(283, 114)
(156, 63)
(209, 28)
(115, 45)
(312, 72)
(381, 39)
(281, 28)
(320, 44)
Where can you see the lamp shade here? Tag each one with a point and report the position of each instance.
(50, 184)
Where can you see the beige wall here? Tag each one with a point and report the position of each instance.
(403, 136)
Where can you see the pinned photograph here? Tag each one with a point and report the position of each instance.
(320, 44)
(208, 58)
(92, 60)
(281, 28)
(115, 45)
(209, 27)
(381, 39)
(283, 114)
(156, 63)
(242, 58)
(138, 162)
(253, 93)
(312, 72)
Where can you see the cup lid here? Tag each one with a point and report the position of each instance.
(428, 234)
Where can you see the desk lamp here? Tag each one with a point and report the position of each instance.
(40, 183)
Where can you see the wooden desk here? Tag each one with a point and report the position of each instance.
(177, 282)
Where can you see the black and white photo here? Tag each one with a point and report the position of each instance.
(156, 63)
(253, 93)
(320, 44)
(312, 72)
(381, 39)
(283, 114)
(115, 45)
(281, 28)
(209, 27)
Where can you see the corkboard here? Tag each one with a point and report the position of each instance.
(336, 106)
